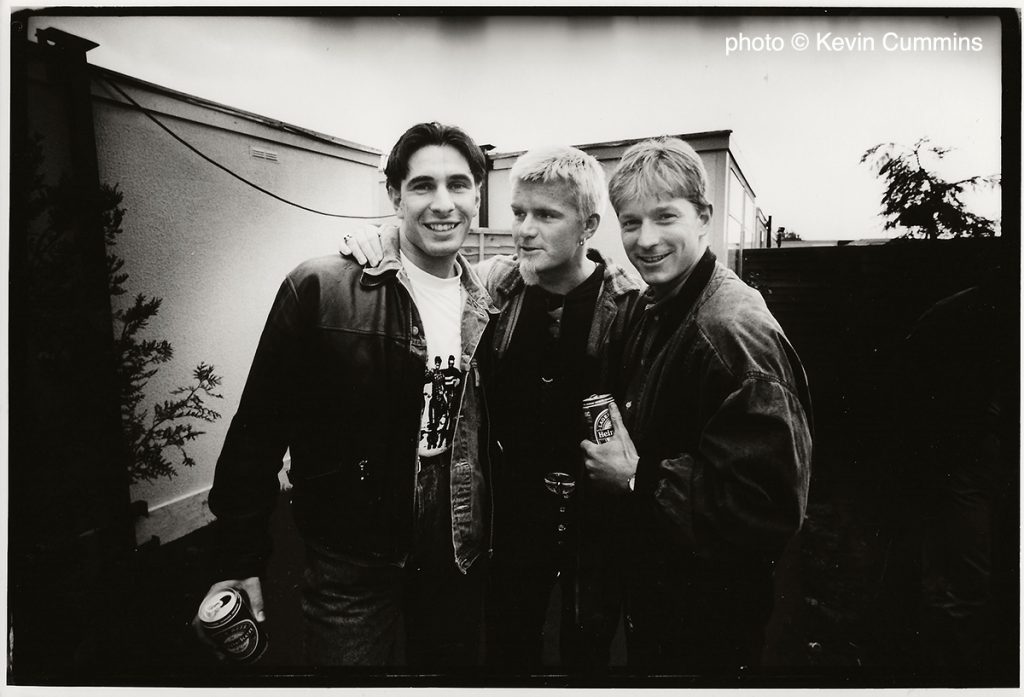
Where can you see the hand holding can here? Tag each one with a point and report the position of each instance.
(598, 417)
(226, 621)
(610, 458)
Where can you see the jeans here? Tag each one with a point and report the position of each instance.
(691, 616)
(352, 609)
(529, 563)
(519, 594)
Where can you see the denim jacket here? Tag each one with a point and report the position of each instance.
(717, 404)
(337, 379)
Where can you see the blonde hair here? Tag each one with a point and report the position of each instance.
(661, 167)
(581, 172)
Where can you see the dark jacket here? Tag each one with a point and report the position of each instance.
(338, 379)
(720, 413)
(716, 402)
(618, 296)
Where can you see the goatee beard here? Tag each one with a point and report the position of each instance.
(528, 272)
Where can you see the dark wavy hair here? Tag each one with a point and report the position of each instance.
(432, 133)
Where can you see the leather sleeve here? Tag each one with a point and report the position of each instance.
(747, 482)
(246, 487)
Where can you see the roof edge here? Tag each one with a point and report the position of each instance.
(626, 142)
(249, 115)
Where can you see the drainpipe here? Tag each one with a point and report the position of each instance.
(484, 189)
(109, 517)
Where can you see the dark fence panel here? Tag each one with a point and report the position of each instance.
(846, 310)
(856, 565)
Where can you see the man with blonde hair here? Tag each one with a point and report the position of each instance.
(712, 446)
(558, 339)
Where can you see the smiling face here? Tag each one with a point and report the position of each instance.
(436, 204)
(547, 229)
(664, 238)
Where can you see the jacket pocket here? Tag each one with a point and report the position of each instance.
(344, 508)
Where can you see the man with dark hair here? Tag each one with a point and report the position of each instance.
(558, 339)
(393, 525)
(712, 450)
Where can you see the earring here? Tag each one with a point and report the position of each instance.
(582, 241)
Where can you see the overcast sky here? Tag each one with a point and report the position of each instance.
(801, 119)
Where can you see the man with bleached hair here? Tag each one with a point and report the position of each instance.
(558, 339)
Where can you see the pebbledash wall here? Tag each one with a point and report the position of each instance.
(214, 249)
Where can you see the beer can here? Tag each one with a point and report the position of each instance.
(228, 621)
(598, 417)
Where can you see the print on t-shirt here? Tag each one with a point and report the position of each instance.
(440, 407)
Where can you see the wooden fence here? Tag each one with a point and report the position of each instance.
(847, 310)
(485, 243)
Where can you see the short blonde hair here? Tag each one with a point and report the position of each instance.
(661, 167)
(571, 166)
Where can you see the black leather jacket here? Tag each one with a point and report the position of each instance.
(720, 412)
(338, 379)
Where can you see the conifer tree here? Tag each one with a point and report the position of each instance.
(921, 202)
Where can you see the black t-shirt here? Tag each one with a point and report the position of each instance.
(540, 386)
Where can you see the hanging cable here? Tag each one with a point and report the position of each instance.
(233, 174)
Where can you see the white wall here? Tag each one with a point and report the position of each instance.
(214, 249)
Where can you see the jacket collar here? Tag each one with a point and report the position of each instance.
(476, 291)
(391, 265)
(616, 280)
(679, 304)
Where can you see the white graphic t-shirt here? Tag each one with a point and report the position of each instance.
(439, 301)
